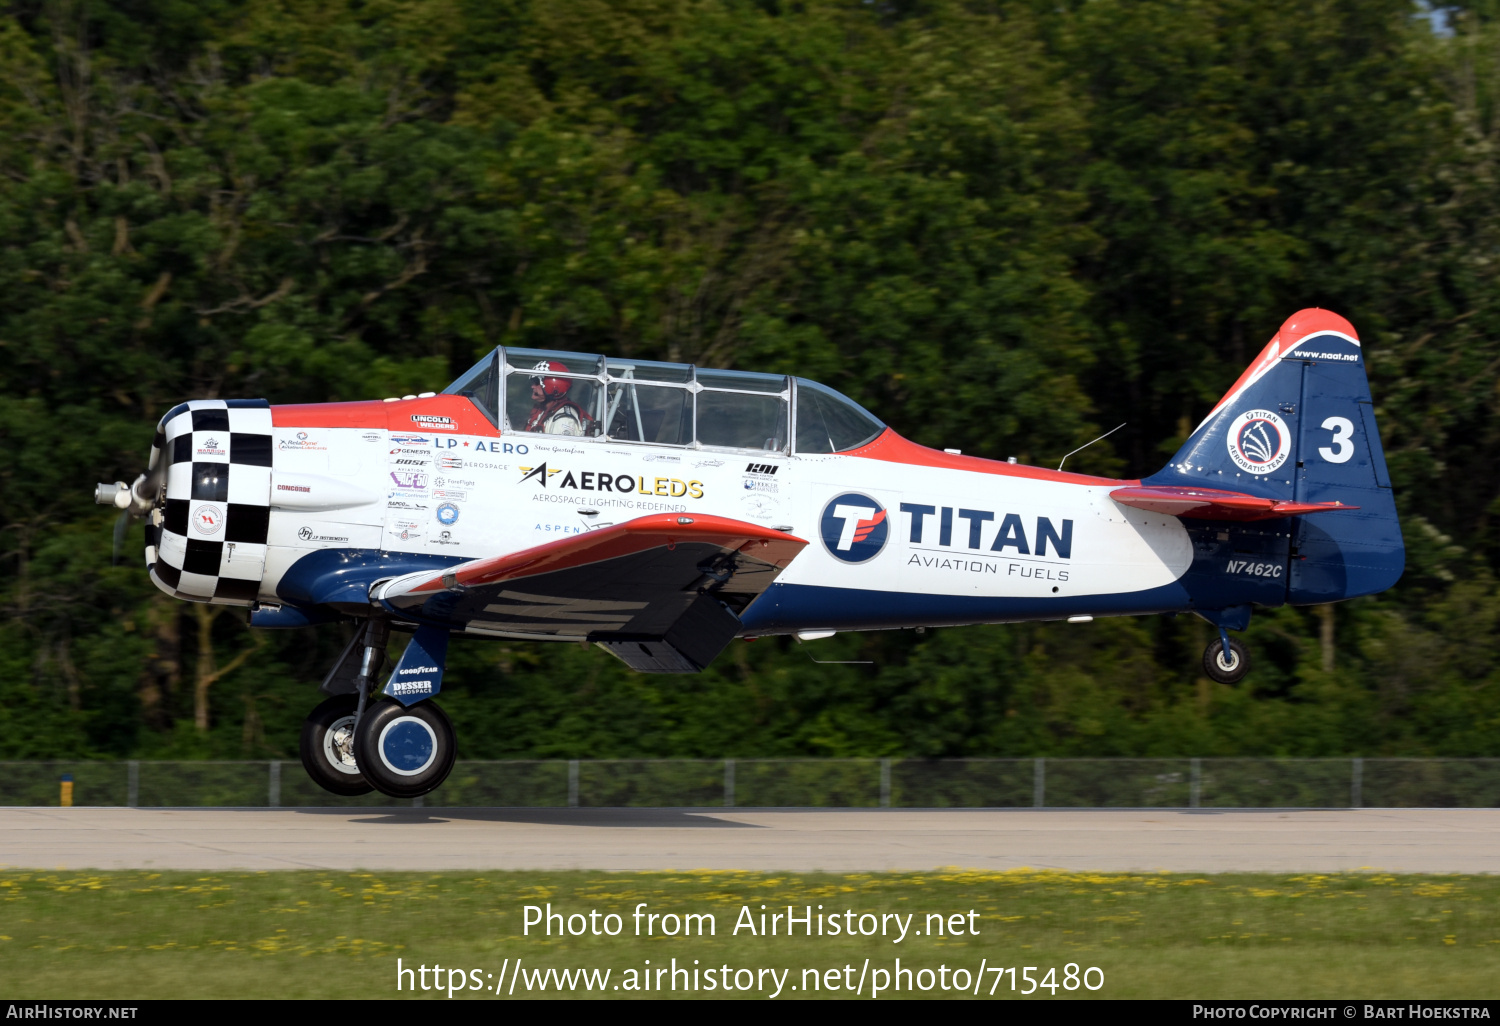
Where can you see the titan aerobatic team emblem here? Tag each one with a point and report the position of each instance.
(1258, 442)
(854, 527)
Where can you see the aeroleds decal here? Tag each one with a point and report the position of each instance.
(854, 527)
(606, 481)
(1258, 442)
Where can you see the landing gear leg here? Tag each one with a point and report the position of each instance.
(1226, 660)
(377, 632)
(404, 743)
(327, 741)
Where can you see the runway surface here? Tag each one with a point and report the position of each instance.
(846, 840)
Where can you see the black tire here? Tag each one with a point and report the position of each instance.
(1231, 672)
(405, 751)
(329, 767)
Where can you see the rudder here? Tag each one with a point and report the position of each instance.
(1299, 425)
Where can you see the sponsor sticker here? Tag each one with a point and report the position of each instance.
(854, 527)
(456, 494)
(1258, 442)
(444, 538)
(211, 447)
(208, 519)
(433, 422)
(308, 534)
(411, 479)
(447, 514)
(303, 442)
(606, 481)
(370, 436)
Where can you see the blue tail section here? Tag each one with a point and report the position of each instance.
(1299, 425)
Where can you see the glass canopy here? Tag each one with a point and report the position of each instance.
(543, 391)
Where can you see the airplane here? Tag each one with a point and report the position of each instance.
(661, 510)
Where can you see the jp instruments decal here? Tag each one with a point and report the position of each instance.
(854, 527)
(1258, 442)
(208, 519)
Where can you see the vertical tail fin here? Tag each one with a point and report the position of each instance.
(1299, 425)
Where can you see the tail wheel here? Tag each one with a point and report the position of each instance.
(327, 747)
(405, 752)
(1226, 671)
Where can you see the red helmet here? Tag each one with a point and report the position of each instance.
(552, 388)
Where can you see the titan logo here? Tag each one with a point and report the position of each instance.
(1010, 534)
(854, 528)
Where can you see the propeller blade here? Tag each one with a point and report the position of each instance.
(122, 524)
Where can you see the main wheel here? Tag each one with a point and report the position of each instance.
(327, 747)
(405, 752)
(1226, 671)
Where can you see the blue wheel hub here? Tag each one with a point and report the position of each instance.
(408, 746)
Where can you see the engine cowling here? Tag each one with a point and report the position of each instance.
(206, 540)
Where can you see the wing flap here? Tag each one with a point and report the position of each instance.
(638, 582)
(1215, 504)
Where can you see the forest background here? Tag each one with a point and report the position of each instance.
(1004, 226)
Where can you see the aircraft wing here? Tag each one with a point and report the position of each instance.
(661, 591)
(1215, 504)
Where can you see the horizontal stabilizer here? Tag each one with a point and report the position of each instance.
(1215, 504)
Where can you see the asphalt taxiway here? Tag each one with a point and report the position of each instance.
(801, 840)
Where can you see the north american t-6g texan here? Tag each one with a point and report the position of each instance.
(662, 510)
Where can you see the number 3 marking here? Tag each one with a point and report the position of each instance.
(1342, 430)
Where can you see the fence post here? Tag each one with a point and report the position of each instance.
(1357, 784)
(885, 783)
(1039, 783)
(728, 783)
(1195, 788)
(273, 788)
(133, 783)
(572, 783)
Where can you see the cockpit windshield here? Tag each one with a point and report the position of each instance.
(480, 384)
(542, 391)
(830, 422)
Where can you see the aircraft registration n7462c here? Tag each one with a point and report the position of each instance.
(661, 510)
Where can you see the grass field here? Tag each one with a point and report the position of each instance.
(314, 934)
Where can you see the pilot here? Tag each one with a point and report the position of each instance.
(552, 412)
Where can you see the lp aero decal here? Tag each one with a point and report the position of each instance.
(854, 527)
(1258, 442)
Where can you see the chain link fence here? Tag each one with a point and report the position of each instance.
(779, 783)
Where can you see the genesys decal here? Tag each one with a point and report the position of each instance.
(608, 481)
